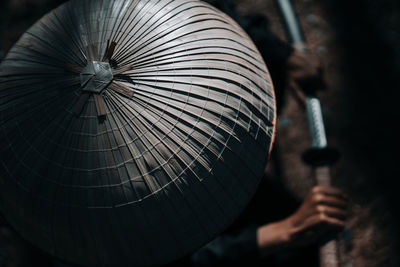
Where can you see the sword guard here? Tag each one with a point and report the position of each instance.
(317, 157)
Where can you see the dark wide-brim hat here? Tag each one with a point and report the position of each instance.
(132, 132)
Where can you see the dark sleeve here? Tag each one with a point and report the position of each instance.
(233, 249)
(273, 49)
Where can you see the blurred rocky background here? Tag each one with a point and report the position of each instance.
(359, 45)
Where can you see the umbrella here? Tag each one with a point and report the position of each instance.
(131, 131)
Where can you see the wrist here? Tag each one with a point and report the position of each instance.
(273, 237)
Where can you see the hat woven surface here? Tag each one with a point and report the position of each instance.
(131, 132)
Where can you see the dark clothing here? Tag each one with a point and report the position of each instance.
(237, 246)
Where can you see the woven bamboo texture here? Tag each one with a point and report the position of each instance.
(131, 132)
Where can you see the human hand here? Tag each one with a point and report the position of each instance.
(305, 72)
(322, 212)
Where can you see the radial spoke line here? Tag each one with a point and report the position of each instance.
(199, 131)
(194, 56)
(203, 80)
(216, 42)
(124, 121)
(133, 28)
(179, 147)
(150, 45)
(148, 29)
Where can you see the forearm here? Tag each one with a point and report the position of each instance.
(322, 213)
(273, 237)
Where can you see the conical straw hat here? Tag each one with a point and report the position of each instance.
(132, 132)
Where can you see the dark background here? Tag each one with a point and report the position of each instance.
(359, 45)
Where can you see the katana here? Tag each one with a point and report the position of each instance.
(319, 156)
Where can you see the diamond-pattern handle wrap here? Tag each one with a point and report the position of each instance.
(316, 123)
(186, 125)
